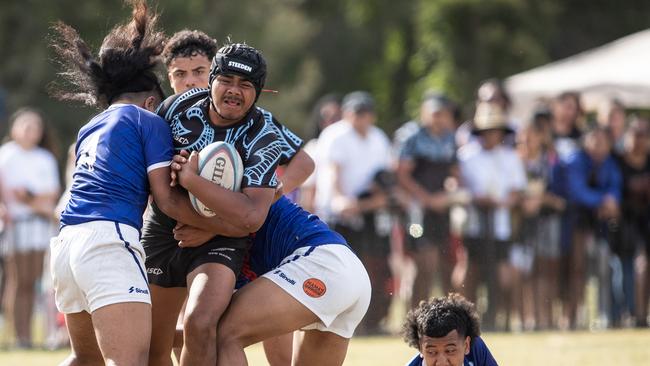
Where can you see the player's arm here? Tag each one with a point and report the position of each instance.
(245, 210)
(175, 204)
(297, 171)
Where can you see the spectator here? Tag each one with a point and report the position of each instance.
(446, 331)
(495, 177)
(351, 155)
(594, 187)
(30, 187)
(611, 116)
(565, 125)
(540, 224)
(635, 168)
(326, 112)
(426, 160)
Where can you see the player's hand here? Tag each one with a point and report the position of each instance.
(184, 171)
(177, 163)
(190, 236)
(279, 191)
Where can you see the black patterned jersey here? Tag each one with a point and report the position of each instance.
(258, 137)
(262, 142)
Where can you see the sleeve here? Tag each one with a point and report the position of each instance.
(157, 141)
(482, 353)
(290, 142)
(416, 361)
(406, 150)
(261, 159)
(577, 176)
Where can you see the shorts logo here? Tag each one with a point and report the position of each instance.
(138, 290)
(284, 277)
(154, 271)
(314, 287)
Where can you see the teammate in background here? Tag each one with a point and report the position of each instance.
(446, 330)
(123, 154)
(309, 279)
(187, 56)
(226, 112)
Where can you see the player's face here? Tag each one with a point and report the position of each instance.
(232, 96)
(186, 73)
(449, 350)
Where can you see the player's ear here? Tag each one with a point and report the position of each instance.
(150, 103)
(467, 344)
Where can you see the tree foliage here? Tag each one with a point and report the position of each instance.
(394, 49)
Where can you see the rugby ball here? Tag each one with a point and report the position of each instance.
(221, 164)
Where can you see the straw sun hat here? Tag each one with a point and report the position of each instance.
(490, 116)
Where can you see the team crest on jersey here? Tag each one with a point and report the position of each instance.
(314, 287)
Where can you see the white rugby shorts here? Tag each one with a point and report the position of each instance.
(95, 264)
(331, 282)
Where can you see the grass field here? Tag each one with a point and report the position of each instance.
(620, 348)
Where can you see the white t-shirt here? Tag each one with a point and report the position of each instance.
(358, 157)
(35, 170)
(494, 173)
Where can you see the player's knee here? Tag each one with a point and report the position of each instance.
(200, 325)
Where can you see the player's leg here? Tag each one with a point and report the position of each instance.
(123, 342)
(246, 322)
(210, 290)
(278, 350)
(165, 306)
(83, 344)
(321, 348)
(25, 296)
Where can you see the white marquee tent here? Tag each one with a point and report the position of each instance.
(620, 69)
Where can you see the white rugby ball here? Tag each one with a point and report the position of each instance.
(221, 164)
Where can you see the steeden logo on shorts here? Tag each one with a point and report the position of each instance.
(314, 287)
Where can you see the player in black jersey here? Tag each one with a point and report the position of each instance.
(198, 117)
(185, 57)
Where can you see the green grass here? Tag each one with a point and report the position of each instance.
(624, 347)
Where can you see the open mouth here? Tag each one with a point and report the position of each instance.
(233, 101)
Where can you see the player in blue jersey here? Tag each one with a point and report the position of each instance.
(446, 332)
(122, 155)
(307, 277)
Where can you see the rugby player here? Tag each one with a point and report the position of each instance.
(187, 56)
(446, 332)
(225, 112)
(122, 155)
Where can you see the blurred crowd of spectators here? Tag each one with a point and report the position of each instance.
(532, 219)
(522, 217)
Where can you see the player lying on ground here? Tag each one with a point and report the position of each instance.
(122, 155)
(309, 279)
(446, 332)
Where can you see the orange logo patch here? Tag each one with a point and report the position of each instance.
(314, 287)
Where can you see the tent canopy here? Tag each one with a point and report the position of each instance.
(620, 69)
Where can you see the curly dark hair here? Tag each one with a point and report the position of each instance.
(125, 63)
(188, 43)
(439, 316)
